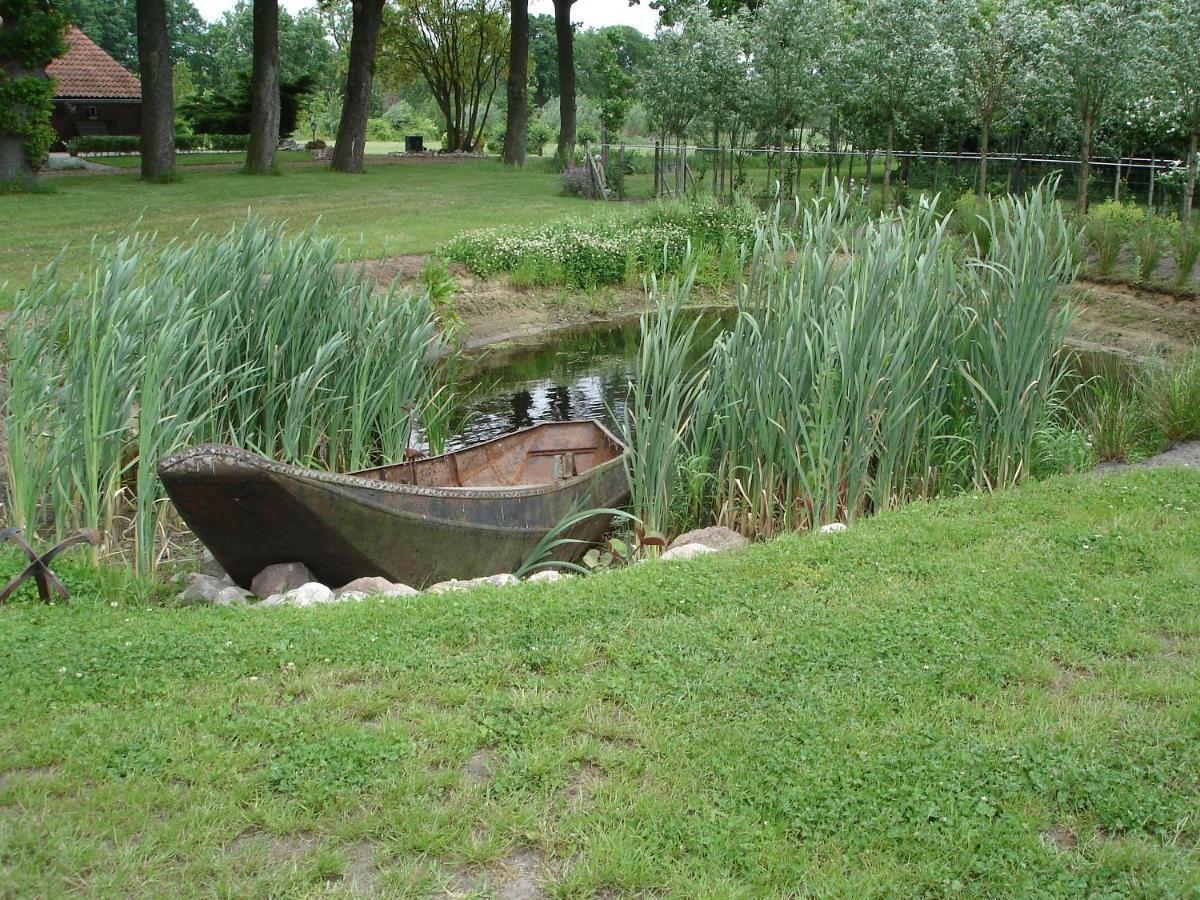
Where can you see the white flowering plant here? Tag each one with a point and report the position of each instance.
(604, 251)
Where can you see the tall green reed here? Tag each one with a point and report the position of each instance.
(868, 364)
(252, 337)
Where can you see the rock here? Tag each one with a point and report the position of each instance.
(550, 575)
(280, 578)
(273, 600)
(686, 551)
(343, 596)
(454, 584)
(832, 528)
(231, 596)
(309, 594)
(400, 590)
(717, 537)
(372, 584)
(199, 588)
(209, 566)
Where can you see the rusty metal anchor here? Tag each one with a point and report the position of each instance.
(39, 566)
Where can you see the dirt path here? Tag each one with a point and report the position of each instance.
(1133, 321)
(1186, 454)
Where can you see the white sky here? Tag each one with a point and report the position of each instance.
(589, 13)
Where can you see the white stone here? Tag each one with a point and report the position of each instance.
(309, 594)
(200, 588)
(350, 595)
(454, 584)
(400, 590)
(686, 551)
(550, 575)
(371, 584)
(833, 528)
(280, 578)
(231, 596)
(717, 537)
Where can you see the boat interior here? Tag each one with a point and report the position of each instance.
(543, 454)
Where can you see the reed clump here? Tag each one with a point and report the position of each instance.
(868, 364)
(251, 338)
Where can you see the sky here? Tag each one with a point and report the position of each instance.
(589, 13)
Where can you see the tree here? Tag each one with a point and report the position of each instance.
(543, 56)
(264, 90)
(113, 25)
(671, 86)
(305, 49)
(614, 91)
(1092, 43)
(158, 99)
(459, 47)
(901, 63)
(564, 33)
(1179, 30)
(995, 48)
(791, 40)
(31, 35)
(516, 131)
(360, 75)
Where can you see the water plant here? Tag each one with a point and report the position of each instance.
(1169, 391)
(868, 364)
(251, 338)
(1187, 251)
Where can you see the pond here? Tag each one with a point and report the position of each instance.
(577, 373)
(585, 373)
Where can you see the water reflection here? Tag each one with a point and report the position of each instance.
(584, 374)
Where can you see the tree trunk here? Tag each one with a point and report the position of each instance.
(1117, 180)
(565, 35)
(984, 135)
(14, 165)
(1085, 168)
(516, 132)
(1150, 189)
(1189, 188)
(158, 100)
(887, 165)
(360, 72)
(264, 90)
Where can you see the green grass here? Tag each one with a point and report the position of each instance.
(394, 208)
(919, 707)
(134, 161)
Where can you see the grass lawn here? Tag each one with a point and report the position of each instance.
(402, 207)
(990, 696)
(134, 161)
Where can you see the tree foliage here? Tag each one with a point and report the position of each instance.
(31, 35)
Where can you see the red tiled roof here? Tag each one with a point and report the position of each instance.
(87, 72)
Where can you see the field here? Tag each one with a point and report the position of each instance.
(395, 207)
(992, 695)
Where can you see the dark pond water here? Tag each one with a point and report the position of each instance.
(579, 373)
(585, 373)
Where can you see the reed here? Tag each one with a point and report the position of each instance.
(1169, 392)
(252, 338)
(868, 364)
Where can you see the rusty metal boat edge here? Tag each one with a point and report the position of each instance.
(477, 511)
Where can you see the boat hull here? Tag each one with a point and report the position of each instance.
(252, 512)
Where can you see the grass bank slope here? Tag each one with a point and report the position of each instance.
(405, 206)
(992, 695)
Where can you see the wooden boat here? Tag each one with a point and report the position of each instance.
(478, 511)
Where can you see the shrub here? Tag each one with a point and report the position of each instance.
(380, 130)
(1107, 227)
(1187, 251)
(315, 145)
(1150, 238)
(1170, 394)
(105, 143)
(228, 141)
(577, 181)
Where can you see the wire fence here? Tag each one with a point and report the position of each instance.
(637, 171)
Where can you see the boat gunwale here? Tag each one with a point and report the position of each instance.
(274, 467)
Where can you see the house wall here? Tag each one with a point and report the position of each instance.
(74, 117)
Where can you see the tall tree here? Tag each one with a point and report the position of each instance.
(902, 65)
(995, 47)
(264, 90)
(367, 16)
(459, 47)
(31, 35)
(564, 32)
(158, 98)
(516, 131)
(1179, 29)
(113, 25)
(1092, 44)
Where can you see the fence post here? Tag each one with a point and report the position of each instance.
(621, 172)
(681, 172)
(657, 168)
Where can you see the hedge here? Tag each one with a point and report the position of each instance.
(132, 143)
